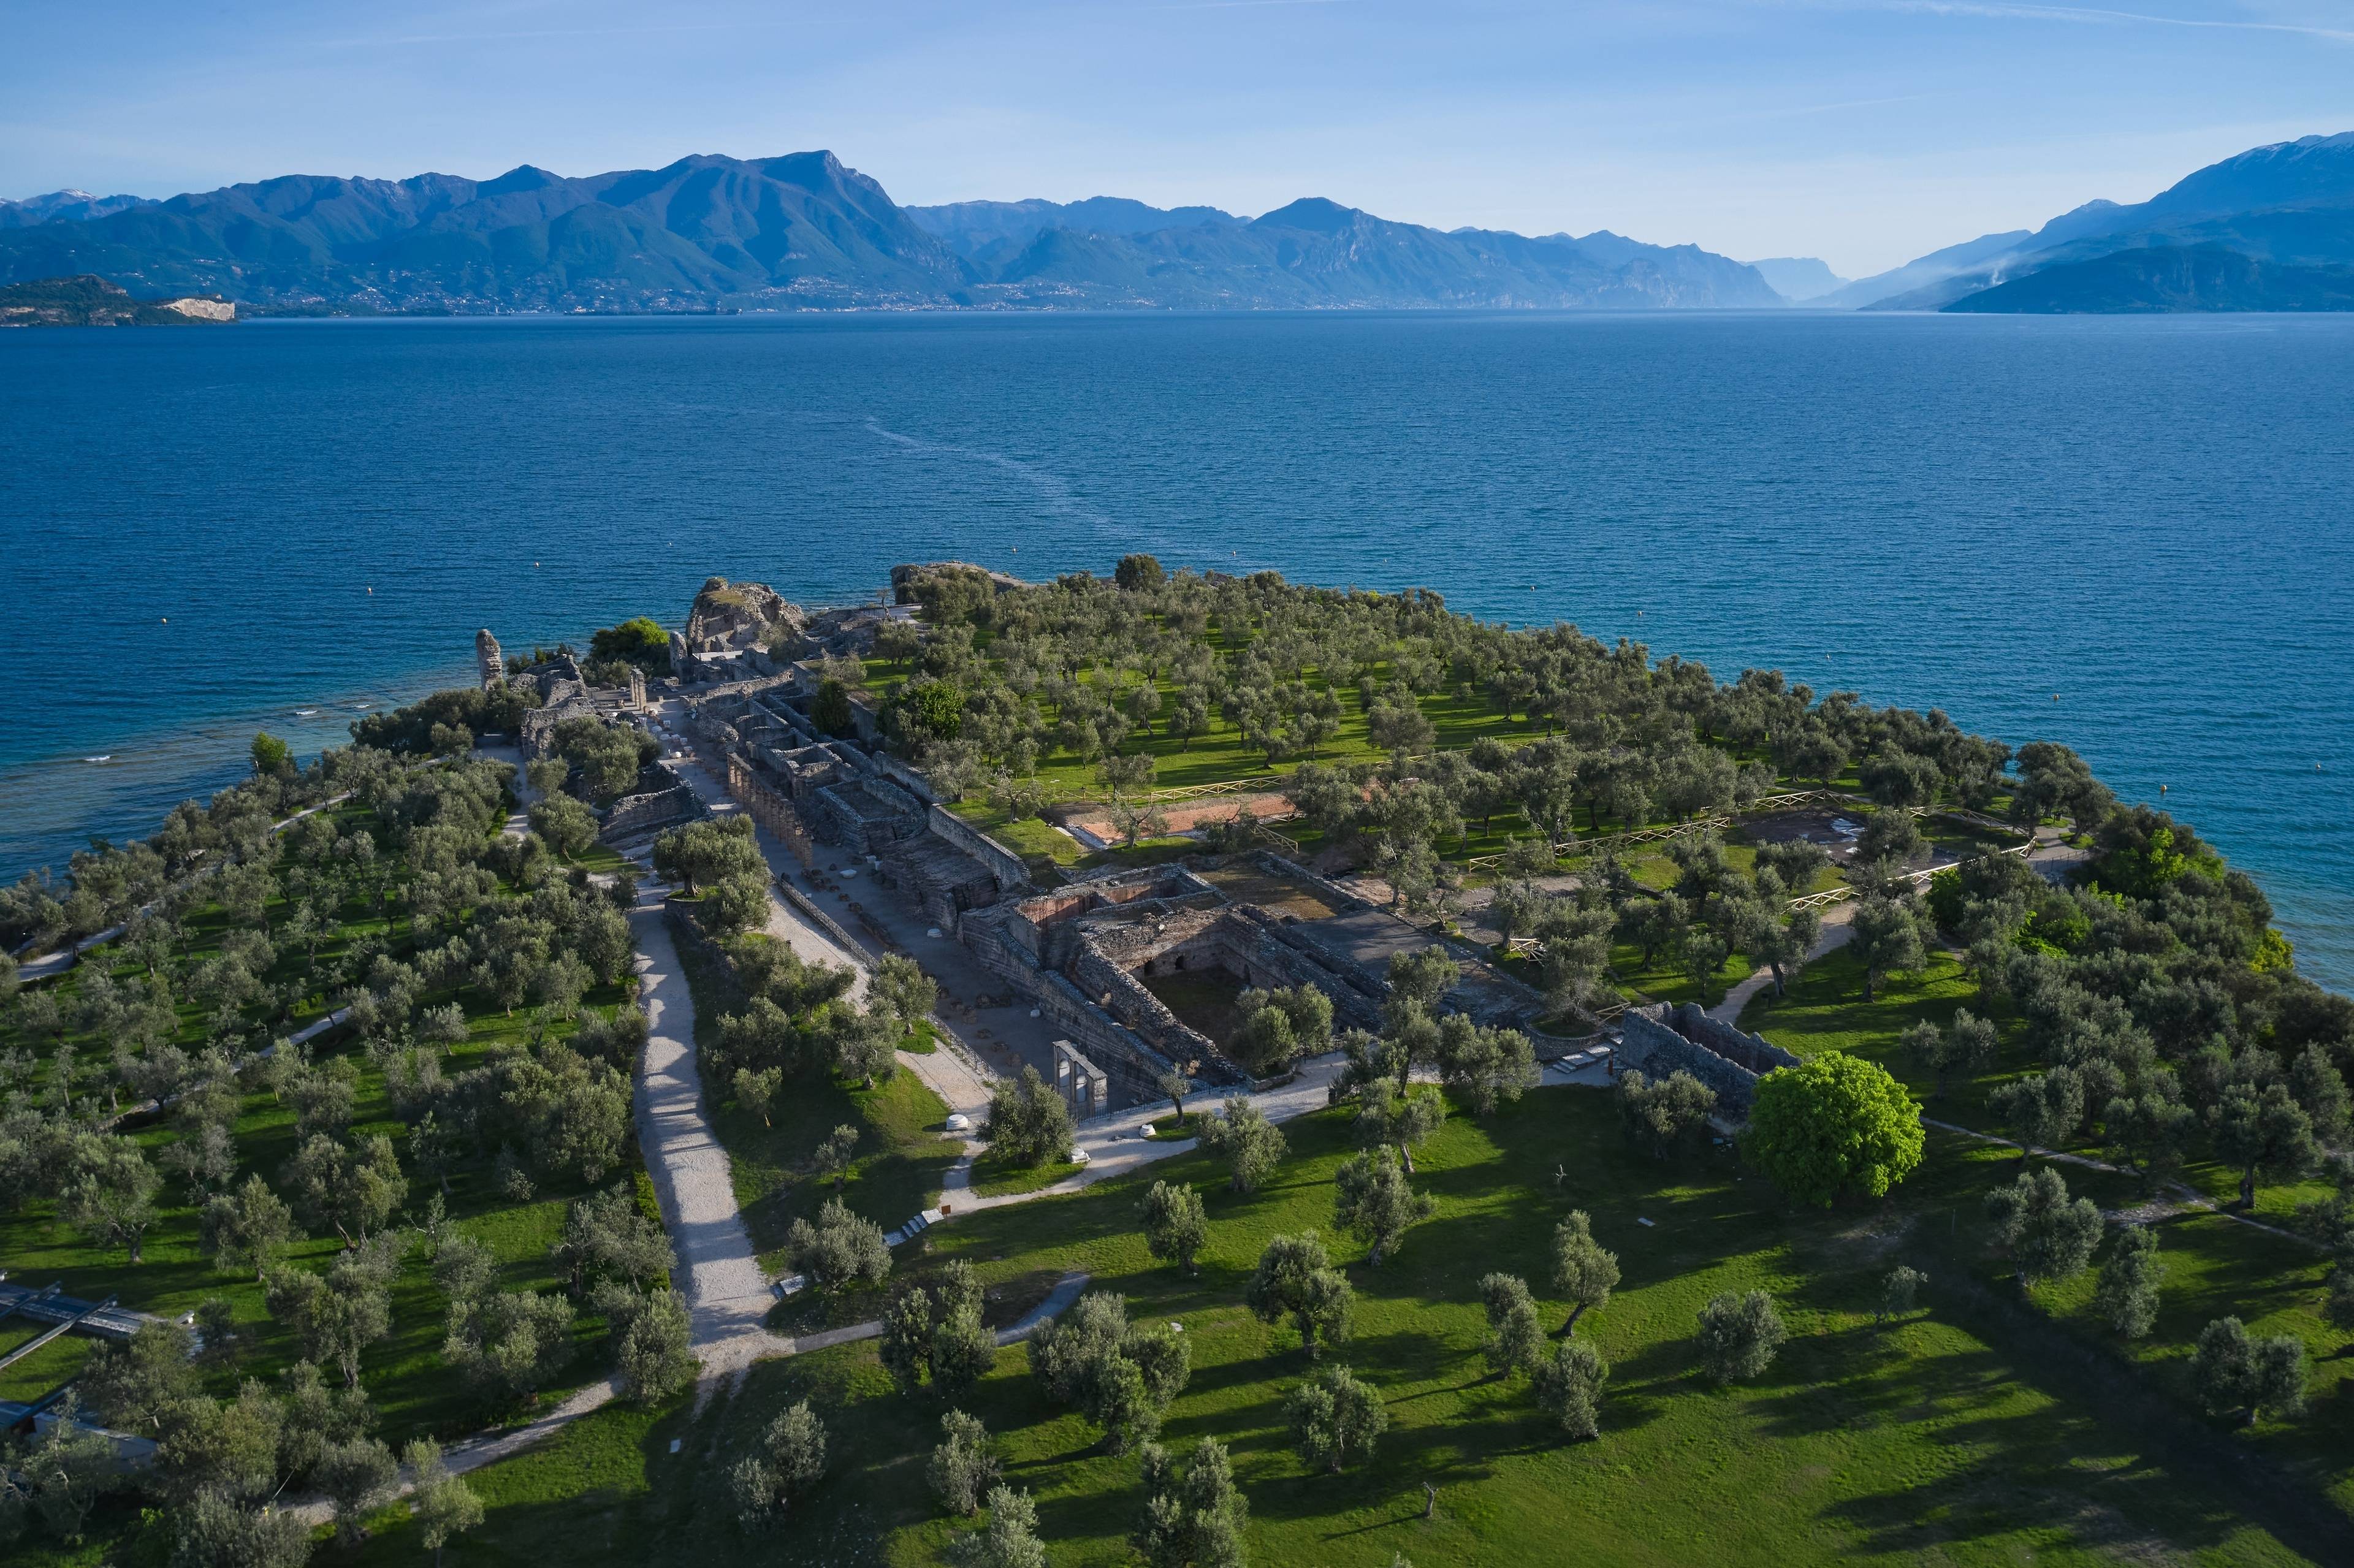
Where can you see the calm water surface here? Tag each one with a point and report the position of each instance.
(2146, 520)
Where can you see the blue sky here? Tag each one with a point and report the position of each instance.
(1861, 130)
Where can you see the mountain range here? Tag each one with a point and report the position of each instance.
(2271, 229)
(804, 231)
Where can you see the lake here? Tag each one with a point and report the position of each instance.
(2131, 534)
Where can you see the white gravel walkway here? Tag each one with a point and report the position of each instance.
(726, 1294)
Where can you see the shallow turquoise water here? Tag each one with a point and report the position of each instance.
(2147, 518)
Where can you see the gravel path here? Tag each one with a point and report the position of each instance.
(726, 1293)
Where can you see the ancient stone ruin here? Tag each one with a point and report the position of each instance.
(736, 631)
(1659, 1039)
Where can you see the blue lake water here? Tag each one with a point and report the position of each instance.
(206, 532)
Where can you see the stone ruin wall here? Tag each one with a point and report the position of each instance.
(635, 814)
(1653, 1040)
(1004, 864)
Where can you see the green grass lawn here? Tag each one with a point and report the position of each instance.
(994, 1176)
(1976, 1432)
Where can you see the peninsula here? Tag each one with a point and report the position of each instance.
(1184, 1067)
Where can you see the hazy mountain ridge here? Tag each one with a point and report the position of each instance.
(971, 226)
(805, 232)
(2285, 209)
(2167, 278)
(64, 207)
(1801, 279)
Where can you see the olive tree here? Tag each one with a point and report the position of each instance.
(1583, 1269)
(789, 1461)
(1334, 1416)
(1739, 1335)
(963, 1466)
(1569, 1387)
(1250, 1144)
(1174, 1225)
(1295, 1278)
(2049, 1235)
(2126, 1294)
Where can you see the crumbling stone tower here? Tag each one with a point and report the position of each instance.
(486, 655)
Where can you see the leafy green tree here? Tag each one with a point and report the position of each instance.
(789, 1461)
(1739, 1335)
(1139, 573)
(1174, 1225)
(441, 1503)
(1295, 1278)
(1333, 1415)
(564, 824)
(1371, 1201)
(1009, 1540)
(211, 1529)
(709, 851)
(1515, 1336)
(2231, 1371)
(1569, 1387)
(1965, 1045)
(1833, 1126)
(1584, 1271)
(2149, 1132)
(272, 758)
(934, 1329)
(757, 1091)
(135, 1385)
(936, 708)
(1193, 1515)
(1241, 1134)
(964, 1466)
(830, 709)
(640, 640)
(902, 991)
(2050, 1236)
(1028, 1123)
(2126, 1295)
(70, 1469)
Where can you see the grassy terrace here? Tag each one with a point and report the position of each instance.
(1979, 1430)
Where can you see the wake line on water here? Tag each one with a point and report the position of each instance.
(1051, 487)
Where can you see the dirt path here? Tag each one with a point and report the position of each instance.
(2184, 1200)
(1839, 925)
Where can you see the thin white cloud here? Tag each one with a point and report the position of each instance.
(2094, 14)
